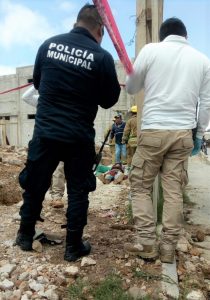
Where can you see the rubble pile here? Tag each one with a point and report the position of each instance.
(11, 162)
(43, 274)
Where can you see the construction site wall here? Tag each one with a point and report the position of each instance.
(17, 117)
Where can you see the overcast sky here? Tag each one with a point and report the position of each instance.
(25, 24)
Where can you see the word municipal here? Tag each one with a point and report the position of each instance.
(75, 56)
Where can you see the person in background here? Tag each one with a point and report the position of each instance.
(58, 187)
(115, 174)
(30, 96)
(130, 135)
(111, 142)
(117, 133)
(112, 145)
(73, 75)
(204, 145)
(174, 77)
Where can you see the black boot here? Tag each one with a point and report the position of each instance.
(75, 246)
(25, 235)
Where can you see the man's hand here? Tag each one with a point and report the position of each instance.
(197, 146)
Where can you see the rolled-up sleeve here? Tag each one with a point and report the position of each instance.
(31, 96)
(108, 83)
(204, 105)
(135, 81)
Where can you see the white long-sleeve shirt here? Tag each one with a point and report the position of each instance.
(174, 77)
(31, 96)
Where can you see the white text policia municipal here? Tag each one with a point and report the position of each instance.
(73, 56)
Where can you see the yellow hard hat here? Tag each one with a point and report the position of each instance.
(134, 109)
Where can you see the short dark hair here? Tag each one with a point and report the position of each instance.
(89, 15)
(172, 26)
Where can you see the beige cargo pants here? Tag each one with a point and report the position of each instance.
(112, 150)
(167, 152)
(58, 182)
(130, 154)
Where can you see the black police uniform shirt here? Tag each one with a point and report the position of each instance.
(73, 75)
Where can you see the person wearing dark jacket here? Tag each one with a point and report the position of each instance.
(73, 75)
(117, 133)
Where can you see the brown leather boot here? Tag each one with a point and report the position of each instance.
(167, 253)
(143, 251)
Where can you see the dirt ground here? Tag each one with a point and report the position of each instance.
(10, 192)
(107, 250)
(109, 228)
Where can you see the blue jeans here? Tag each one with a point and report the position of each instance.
(120, 150)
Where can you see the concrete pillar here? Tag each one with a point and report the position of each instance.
(149, 16)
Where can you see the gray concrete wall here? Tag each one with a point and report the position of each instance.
(14, 112)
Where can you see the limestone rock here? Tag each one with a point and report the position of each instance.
(87, 261)
(37, 246)
(16, 216)
(23, 276)
(17, 294)
(71, 271)
(7, 295)
(207, 282)
(137, 293)
(19, 204)
(86, 236)
(183, 245)
(8, 268)
(42, 279)
(24, 297)
(195, 295)
(190, 267)
(6, 284)
(50, 294)
(36, 286)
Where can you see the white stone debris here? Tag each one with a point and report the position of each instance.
(71, 271)
(87, 261)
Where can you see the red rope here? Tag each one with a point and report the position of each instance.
(16, 89)
(25, 85)
(108, 19)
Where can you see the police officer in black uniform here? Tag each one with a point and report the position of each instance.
(73, 75)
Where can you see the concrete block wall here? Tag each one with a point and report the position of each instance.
(26, 125)
(19, 126)
(104, 116)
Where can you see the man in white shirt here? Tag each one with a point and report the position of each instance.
(57, 189)
(174, 77)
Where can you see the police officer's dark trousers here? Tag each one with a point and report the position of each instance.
(43, 158)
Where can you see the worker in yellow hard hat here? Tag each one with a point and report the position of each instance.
(134, 109)
(130, 134)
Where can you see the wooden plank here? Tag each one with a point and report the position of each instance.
(141, 40)
(170, 288)
(3, 133)
(157, 17)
